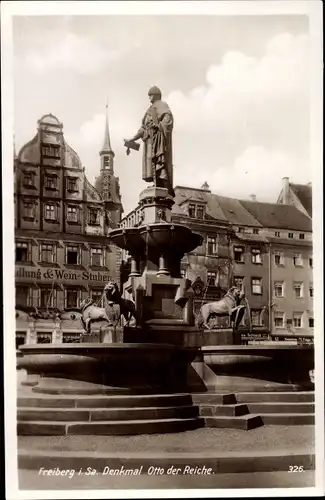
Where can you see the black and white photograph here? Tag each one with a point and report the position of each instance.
(163, 261)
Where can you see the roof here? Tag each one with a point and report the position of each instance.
(183, 194)
(278, 216)
(242, 212)
(235, 212)
(304, 194)
(49, 119)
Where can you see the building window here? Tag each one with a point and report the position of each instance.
(71, 298)
(297, 323)
(50, 182)
(279, 259)
(241, 230)
(50, 212)
(96, 296)
(72, 214)
(22, 296)
(96, 257)
(72, 254)
(211, 278)
(279, 319)
(93, 216)
(256, 317)
(277, 234)
(29, 210)
(298, 289)
(47, 252)
(28, 179)
(255, 230)
(301, 236)
(191, 210)
(72, 184)
(239, 254)
(212, 245)
(183, 273)
(256, 286)
(290, 235)
(297, 260)
(21, 252)
(311, 262)
(256, 256)
(311, 322)
(311, 291)
(238, 281)
(279, 289)
(47, 297)
(51, 151)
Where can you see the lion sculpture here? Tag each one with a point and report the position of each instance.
(90, 313)
(229, 305)
(113, 297)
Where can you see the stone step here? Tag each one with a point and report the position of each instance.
(96, 414)
(225, 410)
(214, 398)
(245, 422)
(281, 407)
(287, 418)
(124, 401)
(287, 397)
(108, 427)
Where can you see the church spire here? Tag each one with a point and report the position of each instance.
(107, 148)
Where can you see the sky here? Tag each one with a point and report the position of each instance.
(238, 87)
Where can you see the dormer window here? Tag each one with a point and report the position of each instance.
(196, 211)
(191, 210)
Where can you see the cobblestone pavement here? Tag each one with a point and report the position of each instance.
(279, 437)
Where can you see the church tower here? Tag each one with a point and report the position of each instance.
(107, 184)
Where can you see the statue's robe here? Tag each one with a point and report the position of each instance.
(156, 133)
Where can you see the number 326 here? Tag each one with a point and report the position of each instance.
(296, 468)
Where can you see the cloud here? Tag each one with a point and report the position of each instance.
(251, 114)
(73, 52)
(242, 130)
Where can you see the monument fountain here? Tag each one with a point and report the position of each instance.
(143, 384)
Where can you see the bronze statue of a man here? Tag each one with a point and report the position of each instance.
(156, 133)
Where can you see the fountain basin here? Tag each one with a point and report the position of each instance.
(257, 368)
(158, 237)
(106, 368)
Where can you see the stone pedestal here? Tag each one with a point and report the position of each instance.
(156, 205)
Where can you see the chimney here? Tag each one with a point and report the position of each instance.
(285, 190)
(205, 186)
(252, 197)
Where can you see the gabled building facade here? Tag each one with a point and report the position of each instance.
(61, 223)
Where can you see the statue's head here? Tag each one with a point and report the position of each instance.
(85, 302)
(237, 293)
(111, 290)
(154, 94)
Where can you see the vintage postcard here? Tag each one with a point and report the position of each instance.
(163, 293)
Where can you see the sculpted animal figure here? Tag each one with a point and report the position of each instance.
(113, 296)
(229, 305)
(91, 314)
